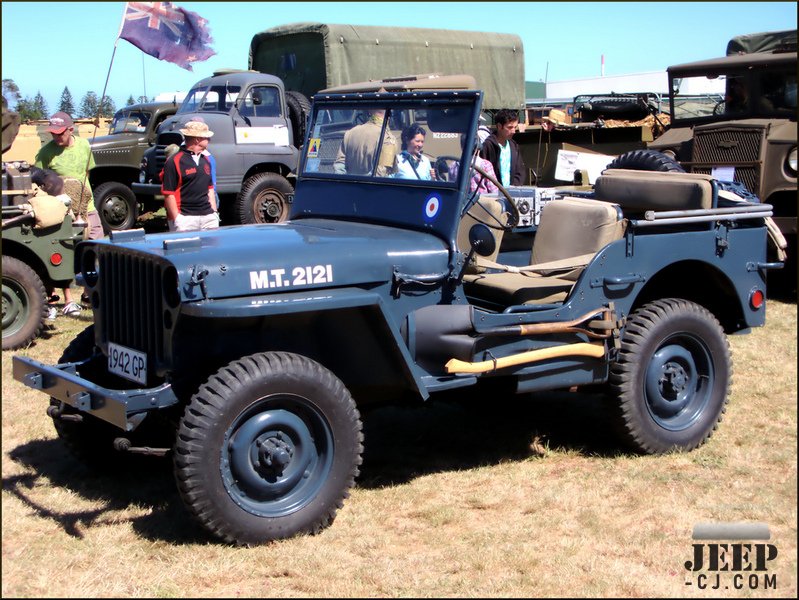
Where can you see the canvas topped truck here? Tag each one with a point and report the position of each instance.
(118, 156)
(254, 349)
(258, 127)
(748, 136)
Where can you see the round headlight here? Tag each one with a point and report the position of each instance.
(790, 163)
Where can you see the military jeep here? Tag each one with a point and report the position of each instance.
(34, 259)
(249, 352)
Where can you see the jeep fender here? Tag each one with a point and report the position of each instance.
(353, 334)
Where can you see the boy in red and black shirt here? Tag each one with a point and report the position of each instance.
(187, 184)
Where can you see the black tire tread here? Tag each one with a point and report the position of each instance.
(18, 270)
(206, 408)
(645, 160)
(621, 373)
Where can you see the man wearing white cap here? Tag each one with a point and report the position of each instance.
(187, 186)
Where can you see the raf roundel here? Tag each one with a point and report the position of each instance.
(431, 207)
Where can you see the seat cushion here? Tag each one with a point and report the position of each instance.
(572, 227)
(639, 191)
(509, 289)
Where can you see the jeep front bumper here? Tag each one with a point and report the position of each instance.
(124, 408)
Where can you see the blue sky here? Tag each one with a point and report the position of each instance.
(49, 45)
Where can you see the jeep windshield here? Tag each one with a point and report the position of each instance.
(392, 157)
(214, 98)
(130, 121)
(409, 142)
(723, 95)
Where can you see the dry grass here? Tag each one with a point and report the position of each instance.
(521, 496)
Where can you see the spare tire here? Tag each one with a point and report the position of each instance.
(645, 160)
(299, 108)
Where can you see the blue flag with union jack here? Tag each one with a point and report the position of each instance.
(167, 32)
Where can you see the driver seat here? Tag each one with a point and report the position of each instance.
(570, 233)
(489, 211)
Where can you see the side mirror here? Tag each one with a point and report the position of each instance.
(482, 240)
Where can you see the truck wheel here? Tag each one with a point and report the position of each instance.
(299, 108)
(117, 205)
(90, 439)
(24, 304)
(671, 382)
(268, 448)
(645, 160)
(264, 199)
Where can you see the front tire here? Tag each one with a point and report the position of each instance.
(264, 198)
(24, 304)
(268, 448)
(117, 206)
(671, 382)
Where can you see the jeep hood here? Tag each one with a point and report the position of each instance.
(287, 257)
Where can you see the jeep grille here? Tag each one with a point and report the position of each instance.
(132, 297)
(730, 146)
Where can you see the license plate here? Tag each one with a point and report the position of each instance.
(128, 363)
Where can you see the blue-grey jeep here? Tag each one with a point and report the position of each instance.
(256, 347)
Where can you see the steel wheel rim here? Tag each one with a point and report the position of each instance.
(277, 455)
(270, 207)
(116, 211)
(678, 383)
(16, 307)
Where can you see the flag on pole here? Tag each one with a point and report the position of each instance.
(167, 32)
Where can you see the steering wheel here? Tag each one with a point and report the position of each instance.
(442, 166)
(510, 206)
(720, 108)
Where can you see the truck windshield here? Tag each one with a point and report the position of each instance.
(408, 142)
(217, 98)
(127, 121)
(728, 95)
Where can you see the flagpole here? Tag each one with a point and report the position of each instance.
(102, 98)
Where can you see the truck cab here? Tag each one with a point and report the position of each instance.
(257, 127)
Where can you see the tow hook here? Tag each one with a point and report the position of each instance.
(57, 412)
(123, 445)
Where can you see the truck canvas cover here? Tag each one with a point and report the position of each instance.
(762, 42)
(310, 57)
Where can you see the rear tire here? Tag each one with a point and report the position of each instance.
(117, 206)
(264, 198)
(268, 448)
(24, 304)
(671, 382)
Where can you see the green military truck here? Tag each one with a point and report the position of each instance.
(118, 157)
(750, 135)
(260, 123)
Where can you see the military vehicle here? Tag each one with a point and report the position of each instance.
(118, 158)
(256, 139)
(752, 142)
(35, 259)
(249, 352)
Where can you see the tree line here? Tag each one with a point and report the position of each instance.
(33, 109)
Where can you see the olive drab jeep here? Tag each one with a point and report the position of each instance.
(36, 257)
(382, 289)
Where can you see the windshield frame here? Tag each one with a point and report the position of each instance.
(387, 199)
